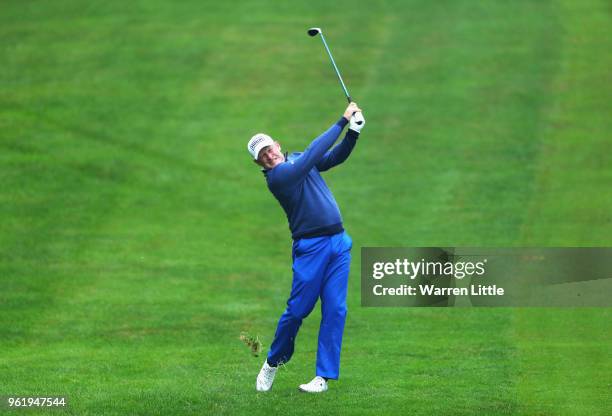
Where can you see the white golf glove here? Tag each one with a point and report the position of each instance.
(357, 122)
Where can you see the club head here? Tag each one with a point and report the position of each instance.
(314, 31)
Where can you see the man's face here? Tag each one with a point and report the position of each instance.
(270, 156)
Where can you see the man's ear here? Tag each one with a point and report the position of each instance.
(278, 145)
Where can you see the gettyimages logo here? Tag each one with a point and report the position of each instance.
(404, 267)
(431, 276)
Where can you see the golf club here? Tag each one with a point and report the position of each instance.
(314, 31)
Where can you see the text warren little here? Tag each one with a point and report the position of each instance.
(428, 290)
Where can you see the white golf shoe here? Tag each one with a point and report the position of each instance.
(316, 385)
(265, 378)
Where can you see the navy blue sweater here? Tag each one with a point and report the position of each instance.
(298, 186)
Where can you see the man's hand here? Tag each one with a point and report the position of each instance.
(357, 122)
(350, 110)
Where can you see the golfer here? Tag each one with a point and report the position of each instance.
(321, 247)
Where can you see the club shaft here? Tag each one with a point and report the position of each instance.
(348, 97)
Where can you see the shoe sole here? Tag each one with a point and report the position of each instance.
(311, 392)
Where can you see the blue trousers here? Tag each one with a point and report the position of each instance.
(320, 269)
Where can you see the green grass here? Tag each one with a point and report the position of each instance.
(137, 240)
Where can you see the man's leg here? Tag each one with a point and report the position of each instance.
(310, 258)
(333, 308)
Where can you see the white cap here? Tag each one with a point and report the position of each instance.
(258, 142)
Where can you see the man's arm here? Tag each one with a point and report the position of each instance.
(297, 169)
(290, 173)
(339, 153)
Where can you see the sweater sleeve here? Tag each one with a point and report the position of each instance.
(339, 153)
(294, 171)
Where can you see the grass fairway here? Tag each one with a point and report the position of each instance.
(137, 240)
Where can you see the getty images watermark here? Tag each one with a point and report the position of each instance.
(432, 276)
